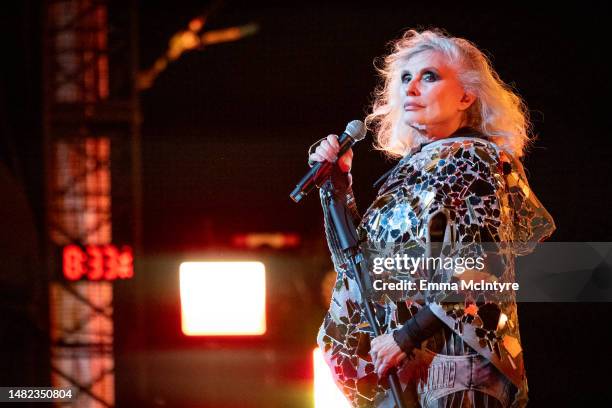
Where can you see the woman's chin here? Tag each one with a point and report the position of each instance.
(412, 117)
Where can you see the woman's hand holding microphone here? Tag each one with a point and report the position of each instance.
(328, 151)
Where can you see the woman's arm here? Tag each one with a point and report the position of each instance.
(423, 324)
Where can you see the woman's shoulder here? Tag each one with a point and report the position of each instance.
(446, 163)
(469, 153)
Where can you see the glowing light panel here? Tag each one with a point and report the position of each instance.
(326, 393)
(223, 298)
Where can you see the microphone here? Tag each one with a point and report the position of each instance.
(354, 132)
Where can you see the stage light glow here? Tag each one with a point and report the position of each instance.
(326, 393)
(223, 298)
(277, 240)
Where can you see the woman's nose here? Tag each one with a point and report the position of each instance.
(412, 88)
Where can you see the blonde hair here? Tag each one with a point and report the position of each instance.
(497, 112)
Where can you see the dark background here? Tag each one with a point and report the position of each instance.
(226, 129)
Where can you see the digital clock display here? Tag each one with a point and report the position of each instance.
(97, 262)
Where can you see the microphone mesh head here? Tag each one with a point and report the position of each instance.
(356, 129)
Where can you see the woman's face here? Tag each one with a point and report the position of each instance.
(432, 98)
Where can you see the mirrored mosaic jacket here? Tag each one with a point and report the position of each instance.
(483, 193)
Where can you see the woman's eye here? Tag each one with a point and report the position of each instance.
(430, 76)
(406, 78)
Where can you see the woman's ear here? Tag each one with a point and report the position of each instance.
(467, 100)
